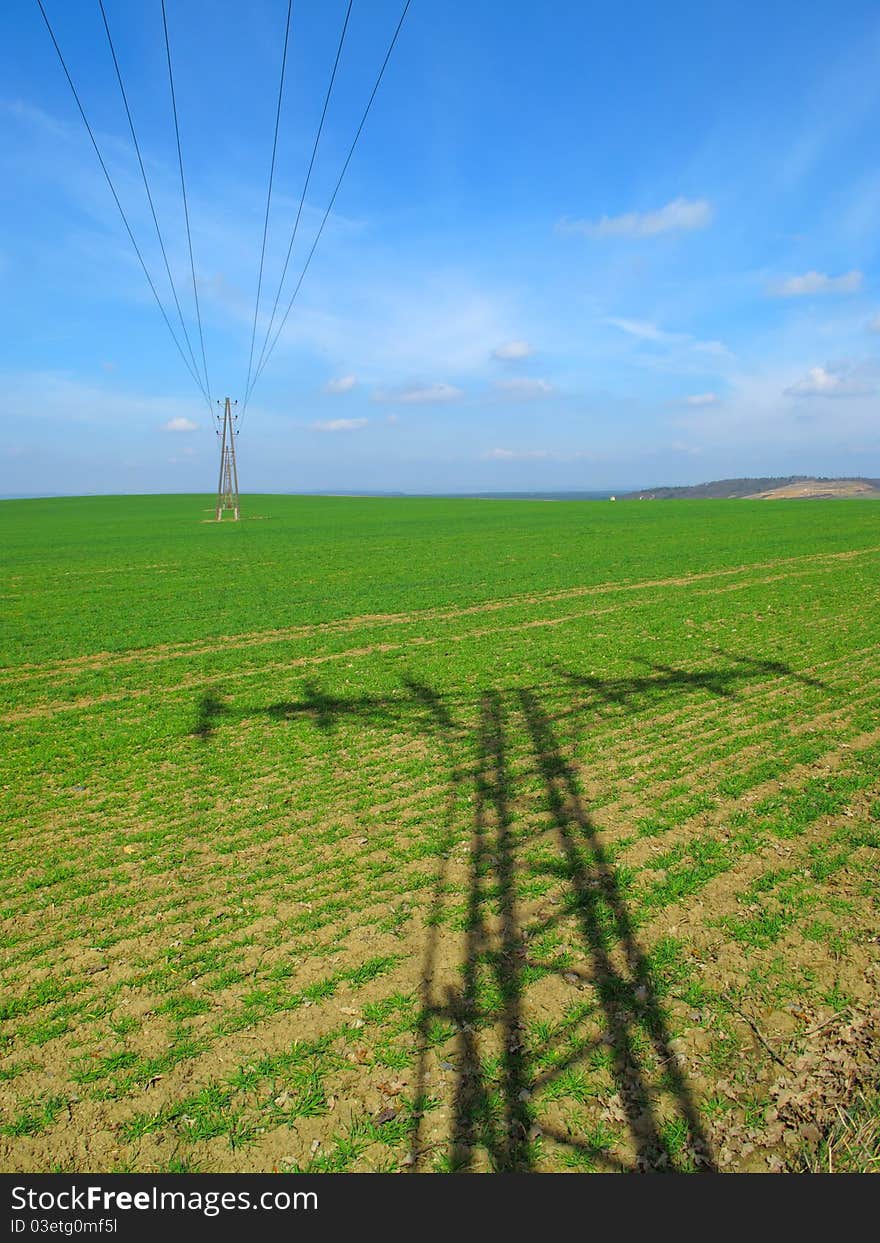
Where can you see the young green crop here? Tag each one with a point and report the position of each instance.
(422, 834)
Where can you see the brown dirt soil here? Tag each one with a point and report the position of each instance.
(519, 1017)
(833, 1062)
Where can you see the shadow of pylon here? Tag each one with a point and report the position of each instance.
(605, 922)
(498, 949)
(493, 947)
(210, 708)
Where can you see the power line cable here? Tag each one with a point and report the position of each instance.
(150, 198)
(332, 201)
(185, 205)
(269, 193)
(302, 197)
(115, 195)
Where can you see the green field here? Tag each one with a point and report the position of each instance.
(416, 834)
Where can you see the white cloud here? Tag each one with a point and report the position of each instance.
(679, 215)
(644, 330)
(703, 399)
(417, 394)
(420, 321)
(180, 425)
(817, 283)
(532, 455)
(35, 117)
(873, 325)
(342, 384)
(339, 425)
(525, 387)
(515, 455)
(513, 351)
(769, 429)
(835, 380)
(56, 396)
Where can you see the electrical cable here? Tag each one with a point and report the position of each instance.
(150, 197)
(305, 269)
(269, 193)
(185, 205)
(302, 196)
(116, 200)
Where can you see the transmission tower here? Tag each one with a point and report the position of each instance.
(227, 488)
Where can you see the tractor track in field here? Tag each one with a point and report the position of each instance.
(101, 1119)
(84, 703)
(638, 854)
(611, 821)
(173, 651)
(548, 866)
(676, 727)
(298, 662)
(616, 814)
(186, 686)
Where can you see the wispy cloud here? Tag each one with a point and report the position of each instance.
(816, 283)
(339, 425)
(513, 351)
(180, 425)
(421, 321)
(21, 110)
(342, 384)
(533, 455)
(644, 330)
(419, 394)
(833, 380)
(681, 215)
(50, 396)
(526, 388)
(776, 414)
(515, 455)
(685, 447)
(391, 314)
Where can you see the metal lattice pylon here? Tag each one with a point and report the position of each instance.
(227, 488)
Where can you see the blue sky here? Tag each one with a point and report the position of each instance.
(578, 246)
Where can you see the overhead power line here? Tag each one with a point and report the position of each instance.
(269, 192)
(150, 200)
(302, 198)
(116, 200)
(332, 201)
(185, 205)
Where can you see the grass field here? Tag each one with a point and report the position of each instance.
(434, 835)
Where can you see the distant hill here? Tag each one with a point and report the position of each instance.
(787, 487)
